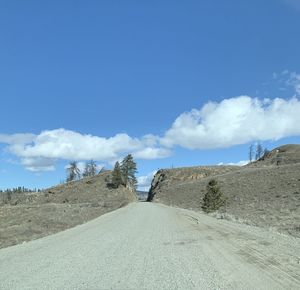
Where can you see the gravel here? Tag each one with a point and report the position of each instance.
(153, 246)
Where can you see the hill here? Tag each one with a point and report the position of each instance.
(265, 193)
(283, 155)
(28, 216)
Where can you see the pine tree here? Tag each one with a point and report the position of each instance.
(128, 170)
(73, 171)
(213, 198)
(116, 176)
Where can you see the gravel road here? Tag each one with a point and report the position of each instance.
(152, 246)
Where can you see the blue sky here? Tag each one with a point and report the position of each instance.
(91, 79)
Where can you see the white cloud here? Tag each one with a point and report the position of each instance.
(230, 122)
(17, 138)
(40, 152)
(38, 164)
(152, 153)
(294, 81)
(235, 121)
(144, 182)
(239, 163)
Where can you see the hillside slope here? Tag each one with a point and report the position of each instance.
(33, 215)
(265, 193)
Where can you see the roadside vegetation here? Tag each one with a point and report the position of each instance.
(124, 173)
(214, 198)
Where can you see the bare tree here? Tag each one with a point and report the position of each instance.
(259, 151)
(73, 171)
(90, 168)
(93, 168)
(251, 153)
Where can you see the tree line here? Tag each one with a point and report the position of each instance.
(122, 174)
(19, 189)
(74, 173)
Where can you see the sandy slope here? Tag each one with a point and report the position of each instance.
(152, 246)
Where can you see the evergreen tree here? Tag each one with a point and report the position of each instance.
(128, 170)
(117, 176)
(213, 198)
(73, 171)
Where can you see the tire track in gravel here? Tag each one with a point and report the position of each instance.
(153, 246)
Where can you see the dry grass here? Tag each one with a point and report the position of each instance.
(34, 215)
(261, 194)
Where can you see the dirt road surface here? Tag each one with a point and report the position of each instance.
(152, 246)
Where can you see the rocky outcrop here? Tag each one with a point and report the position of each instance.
(171, 177)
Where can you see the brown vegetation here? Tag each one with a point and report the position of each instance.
(265, 193)
(31, 215)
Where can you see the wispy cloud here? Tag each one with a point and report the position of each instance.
(294, 81)
(17, 138)
(37, 164)
(293, 3)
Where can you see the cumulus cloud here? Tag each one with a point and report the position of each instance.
(40, 152)
(235, 121)
(144, 182)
